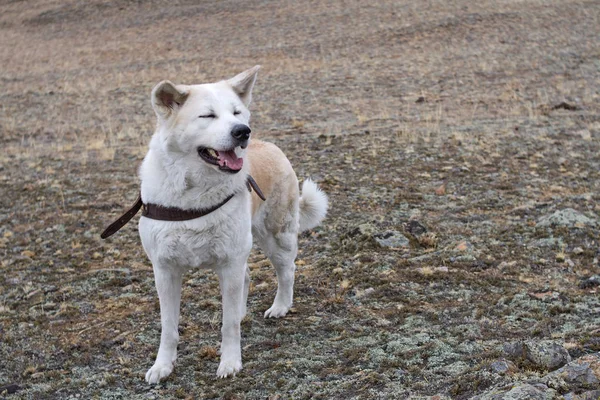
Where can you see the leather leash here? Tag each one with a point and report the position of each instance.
(158, 212)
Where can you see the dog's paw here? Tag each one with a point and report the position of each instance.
(276, 311)
(229, 368)
(158, 372)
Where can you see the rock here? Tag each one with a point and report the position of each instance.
(568, 217)
(10, 389)
(565, 106)
(392, 239)
(523, 391)
(545, 354)
(463, 246)
(590, 282)
(545, 296)
(581, 374)
(415, 228)
(424, 257)
(441, 190)
(578, 250)
(503, 366)
(549, 242)
(400, 373)
(365, 229)
(591, 395)
(359, 237)
(585, 134)
(514, 350)
(359, 294)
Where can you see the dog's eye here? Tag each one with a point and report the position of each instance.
(211, 115)
(237, 112)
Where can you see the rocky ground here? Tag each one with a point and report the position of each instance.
(458, 143)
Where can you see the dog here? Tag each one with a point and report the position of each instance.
(200, 157)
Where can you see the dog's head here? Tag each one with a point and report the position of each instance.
(208, 123)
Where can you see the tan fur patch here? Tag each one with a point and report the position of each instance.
(271, 170)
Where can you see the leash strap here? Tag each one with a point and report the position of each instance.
(253, 185)
(123, 219)
(158, 212)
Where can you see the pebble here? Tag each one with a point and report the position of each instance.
(463, 246)
(415, 228)
(369, 291)
(590, 282)
(393, 239)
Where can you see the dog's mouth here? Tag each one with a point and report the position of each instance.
(226, 160)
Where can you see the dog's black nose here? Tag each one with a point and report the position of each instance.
(240, 132)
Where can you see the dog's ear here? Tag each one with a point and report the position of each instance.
(243, 83)
(166, 98)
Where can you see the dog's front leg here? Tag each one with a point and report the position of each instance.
(246, 288)
(168, 285)
(232, 280)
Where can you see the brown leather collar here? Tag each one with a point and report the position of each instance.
(155, 211)
(158, 212)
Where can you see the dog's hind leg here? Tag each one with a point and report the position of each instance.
(168, 286)
(275, 228)
(281, 248)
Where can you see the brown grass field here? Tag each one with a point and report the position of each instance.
(459, 127)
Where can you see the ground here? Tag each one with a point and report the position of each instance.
(459, 145)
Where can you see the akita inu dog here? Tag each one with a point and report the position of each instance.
(199, 213)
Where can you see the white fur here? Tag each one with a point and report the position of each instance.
(313, 205)
(173, 175)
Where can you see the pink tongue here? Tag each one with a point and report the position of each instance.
(230, 160)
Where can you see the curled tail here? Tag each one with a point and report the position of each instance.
(313, 205)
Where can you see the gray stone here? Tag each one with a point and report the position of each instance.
(366, 229)
(567, 217)
(514, 350)
(415, 228)
(590, 282)
(523, 392)
(591, 395)
(547, 354)
(391, 239)
(503, 366)
(548, 242)
(581, 374)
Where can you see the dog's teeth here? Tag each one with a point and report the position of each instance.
(213, 153)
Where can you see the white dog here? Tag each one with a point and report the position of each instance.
(200, 158)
